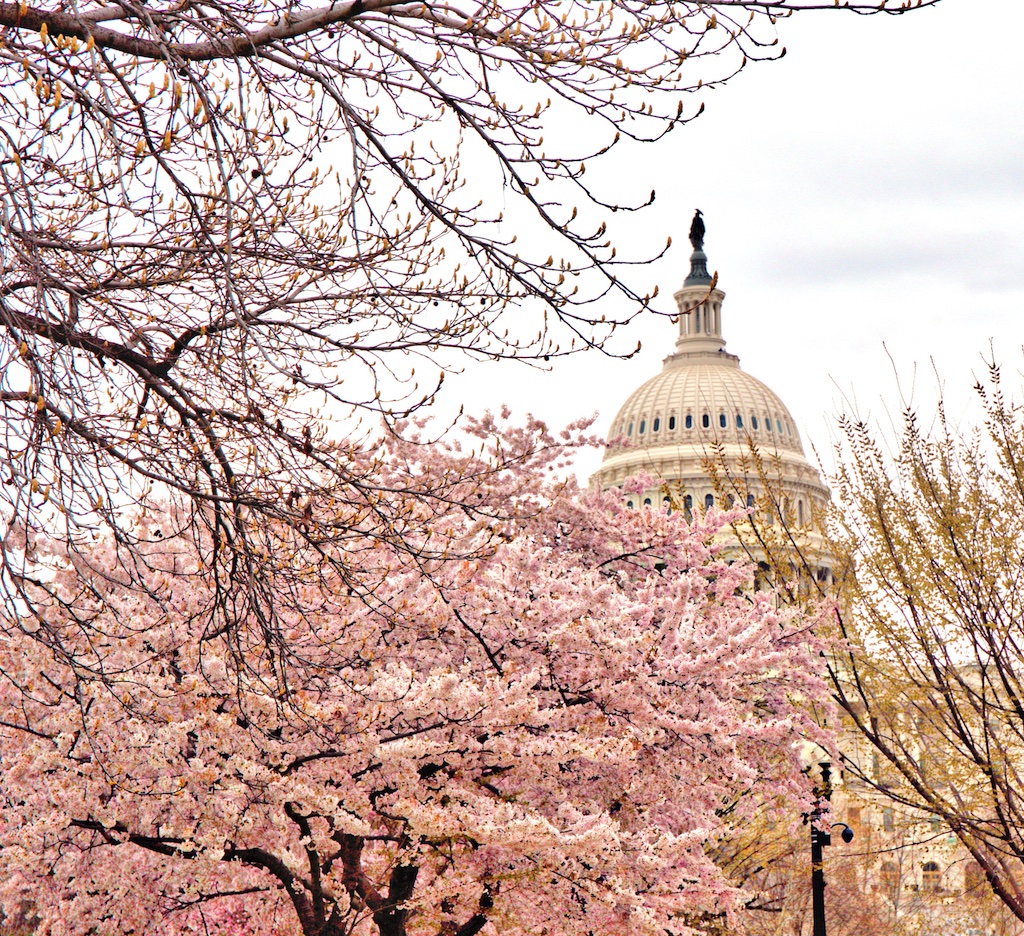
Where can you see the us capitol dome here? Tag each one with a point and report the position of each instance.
(708, 433)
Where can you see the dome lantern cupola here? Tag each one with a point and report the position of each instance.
(700, 303)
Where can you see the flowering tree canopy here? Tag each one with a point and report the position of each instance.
(549, 736)
(223, 223)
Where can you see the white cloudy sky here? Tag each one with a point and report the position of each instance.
(864, 199)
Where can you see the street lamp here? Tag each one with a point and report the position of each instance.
(819, 840)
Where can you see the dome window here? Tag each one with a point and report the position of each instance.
(689, 420)
(643, 426)
(706, 421)
(753, 422)
(629, 431)
(630, 504)
(768, 423)
(671, 423)
(739, 421)
(799, 513)
(656, 425)
(722, 421)
(709, 501)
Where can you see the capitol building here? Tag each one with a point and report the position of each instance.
(711, 435)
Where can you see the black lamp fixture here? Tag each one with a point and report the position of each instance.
(819, 839)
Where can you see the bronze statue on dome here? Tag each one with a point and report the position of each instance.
(697, 231)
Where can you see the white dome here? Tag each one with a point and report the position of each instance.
(702, 403)
(702, 415)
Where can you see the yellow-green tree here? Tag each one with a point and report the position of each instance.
(924, 543)
(933, 677)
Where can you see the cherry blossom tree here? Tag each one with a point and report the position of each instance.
(225, 224)
(550, 736)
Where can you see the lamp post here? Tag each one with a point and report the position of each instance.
(819, 840)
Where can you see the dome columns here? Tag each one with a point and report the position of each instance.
(700, 319)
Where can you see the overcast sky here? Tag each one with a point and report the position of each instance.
(864, 200)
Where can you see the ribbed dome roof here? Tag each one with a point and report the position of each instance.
(704, 400)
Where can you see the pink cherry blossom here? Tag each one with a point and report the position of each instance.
(541, 721)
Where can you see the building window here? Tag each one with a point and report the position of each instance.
(799, 513)
(671, 422)
(705, 421)
(630, 504)
(647, 502)
(888, 820)
(643, 426)
(656, 425)
(890, 875)
(750, 500)
(730, 501)
(722, 421)
(629, 431)
(688, 507)
(666, 503)
(709, 501)
(931, 876)
(689, 420)
(753, 422)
